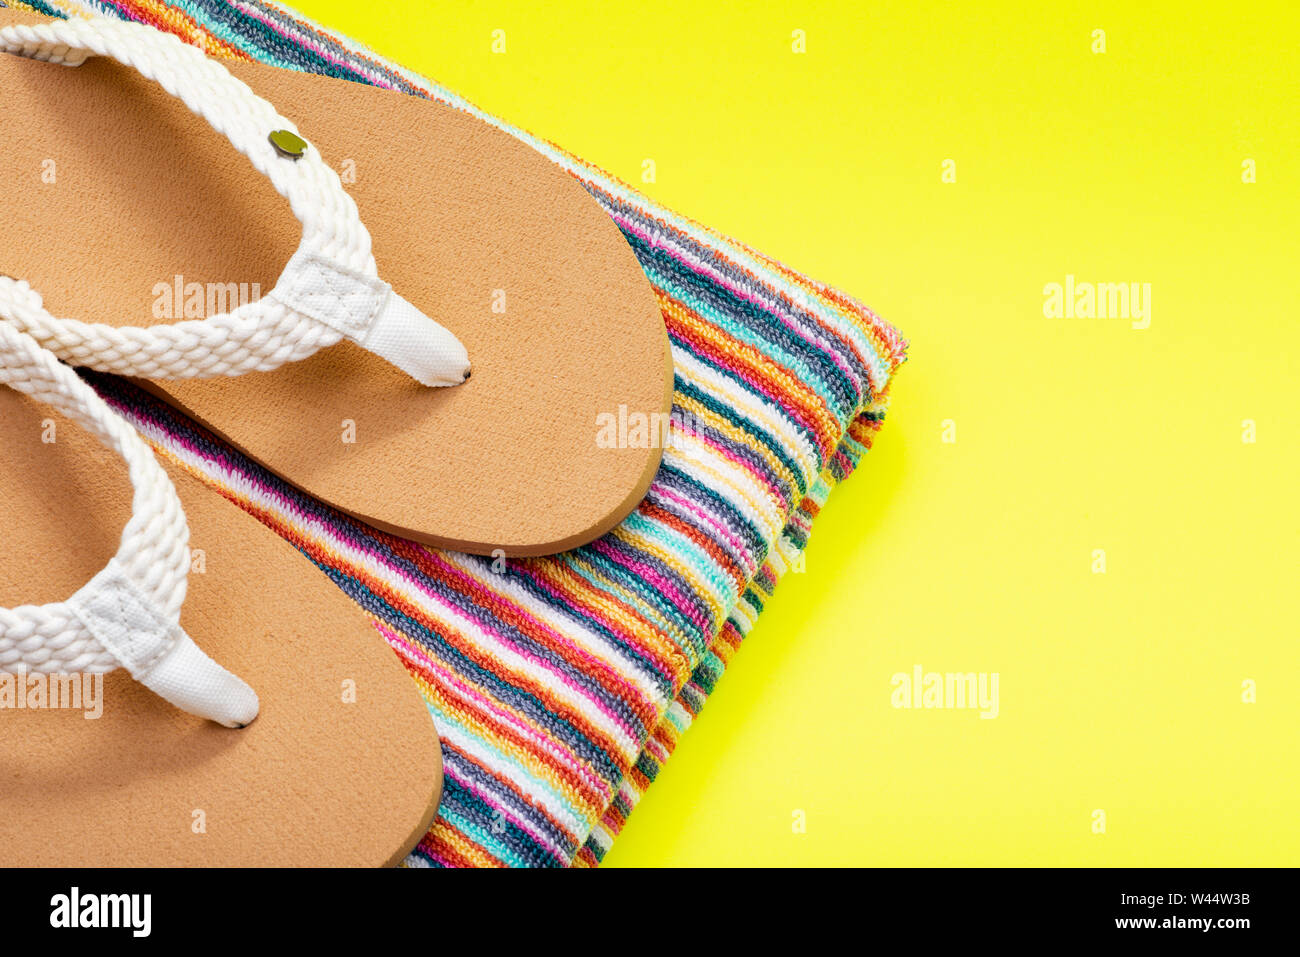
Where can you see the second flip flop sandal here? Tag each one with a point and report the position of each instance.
(121, 742)
(137, 220)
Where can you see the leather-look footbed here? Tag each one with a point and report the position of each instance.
(113, 189)
(342, 765)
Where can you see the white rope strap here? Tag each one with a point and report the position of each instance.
(128, 615)
(330, 288)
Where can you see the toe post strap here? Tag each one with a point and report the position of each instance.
(330, 288)
(151, 645)
(128, 615)
(367, 311)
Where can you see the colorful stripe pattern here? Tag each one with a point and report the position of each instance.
(560, 685)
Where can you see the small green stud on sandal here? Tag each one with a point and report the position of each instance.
(167, 247)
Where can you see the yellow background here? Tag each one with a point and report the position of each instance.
(1119, 691)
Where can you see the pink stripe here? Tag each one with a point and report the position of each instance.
(661, 583)
(719, 528)
(488, 709)
(657, 665)
(780, 309)
(476, 788)
(306, 39)
(449, 571)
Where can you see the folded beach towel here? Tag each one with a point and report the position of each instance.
(560, 685)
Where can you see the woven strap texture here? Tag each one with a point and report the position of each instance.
(127, 615)
(330, 288)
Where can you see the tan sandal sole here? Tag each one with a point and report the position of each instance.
(113, 189)
(316, 780)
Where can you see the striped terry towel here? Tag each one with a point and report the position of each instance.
(560, 685)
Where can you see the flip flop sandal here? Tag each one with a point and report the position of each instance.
(125, 208)
(341, 767)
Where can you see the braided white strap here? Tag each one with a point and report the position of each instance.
(330, 288)
(128, 615)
